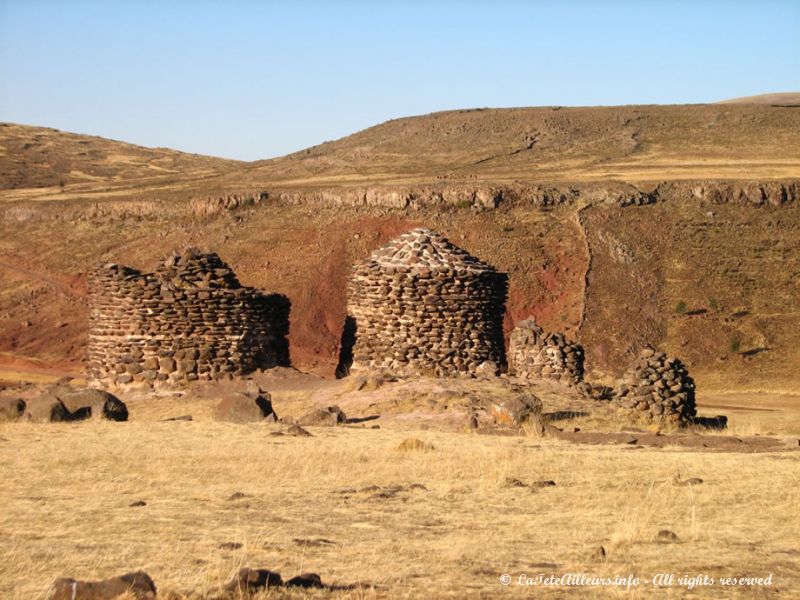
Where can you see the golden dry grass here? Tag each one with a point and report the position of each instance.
(310, 504)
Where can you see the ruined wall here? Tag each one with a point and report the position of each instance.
(534, 354)
(189, 320)
(420, 305)
(658, 387)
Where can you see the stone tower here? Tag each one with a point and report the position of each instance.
(421, 305)
(188, 320)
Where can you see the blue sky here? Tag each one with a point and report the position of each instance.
(252, 80)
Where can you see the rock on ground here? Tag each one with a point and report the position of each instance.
(138, 584)
(245, 407)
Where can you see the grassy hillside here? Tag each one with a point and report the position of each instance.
(630, 143)
(39, 157)
(780, 99)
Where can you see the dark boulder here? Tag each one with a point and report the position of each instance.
(250, 580)
(89, 402)
(306, 580)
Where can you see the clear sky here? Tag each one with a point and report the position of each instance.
(252, 80)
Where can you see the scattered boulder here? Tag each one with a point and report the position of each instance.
(250, 580)
(596, 392)
(517, 410)
(676, 480)
(366, 382)
(296, 430)
(306, 580)
(487, 368)
(326, 417)
(179, 418)
(230, 546)
(245, 407)
(95, 403)
(11, 409)
(137, 584)
(415, 445)
(666, 536)
(543, 483)
(46, 409)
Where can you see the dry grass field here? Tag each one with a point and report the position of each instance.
(377, 515)
(351, 505)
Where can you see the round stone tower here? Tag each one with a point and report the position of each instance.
(188, 320)
(422, 306)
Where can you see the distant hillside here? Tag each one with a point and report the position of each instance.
(34, 157)
(545, 144)
(630, 143)
(782, 99)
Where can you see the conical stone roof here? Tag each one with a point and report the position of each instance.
(424, 249)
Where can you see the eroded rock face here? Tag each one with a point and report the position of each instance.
(421, 305)
(245, 407)
(534, 354)
(137, 584)
(189, 320)
(658, 387)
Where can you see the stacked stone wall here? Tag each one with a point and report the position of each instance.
(189, 320)
(535, 354)
(422, 306)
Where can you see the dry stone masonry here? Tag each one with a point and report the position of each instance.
(534, 354)
(189, 320)
(422, 306)
(658, 387)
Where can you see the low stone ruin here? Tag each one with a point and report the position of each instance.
(535, 354)
(422, 306)
(188, 320)
(658, 387)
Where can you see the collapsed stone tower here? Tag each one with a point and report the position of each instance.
(188, 320)
(658, 387)
(421, 305)
(534, 354)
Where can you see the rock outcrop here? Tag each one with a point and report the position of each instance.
(190, 319)
(422, 306)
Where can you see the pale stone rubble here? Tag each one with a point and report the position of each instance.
(658, 387)
(189, 320)
(422, 306)
(535, 354)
